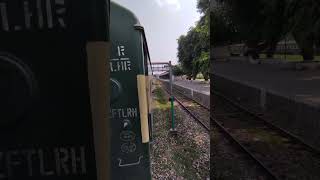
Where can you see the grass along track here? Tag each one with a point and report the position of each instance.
(185, 155)
(279, 153)
(197, 111)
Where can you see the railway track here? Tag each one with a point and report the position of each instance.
(281, 154)
(196, 110)
(184, 101)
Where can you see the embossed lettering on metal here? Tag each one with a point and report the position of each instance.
(127, 135)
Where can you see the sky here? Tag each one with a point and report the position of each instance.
(164, 21)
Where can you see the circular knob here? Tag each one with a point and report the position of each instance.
(16, 89)
(116, 90)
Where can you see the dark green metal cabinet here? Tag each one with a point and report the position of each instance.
(46, 126)
(130, 157)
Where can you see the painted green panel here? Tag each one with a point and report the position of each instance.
(130, 157)
(46, 130)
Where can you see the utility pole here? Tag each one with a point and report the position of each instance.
(167, 67)
(171, 99)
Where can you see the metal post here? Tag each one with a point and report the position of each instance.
(285, 48)
(173, 129)
(170, 77)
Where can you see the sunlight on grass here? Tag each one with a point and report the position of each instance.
(266, 137)
(193, 104)
(161, 101)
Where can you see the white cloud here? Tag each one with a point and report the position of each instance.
(171, 3)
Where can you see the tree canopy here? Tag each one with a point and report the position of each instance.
(194, 47)
(261, 24)
(177, 70)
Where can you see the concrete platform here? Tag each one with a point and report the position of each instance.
(200, 86)
(289, 96)
(196, 90)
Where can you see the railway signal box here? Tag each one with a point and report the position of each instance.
(47, 127)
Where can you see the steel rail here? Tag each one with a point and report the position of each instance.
(244, 149)
(269, 124)
(205, 107)
(224, 131)
(190, 113)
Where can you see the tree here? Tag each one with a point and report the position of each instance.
(177, 70)
(204, 64)
(222, 30)
(263, 23)
(203, 58)
(203, 6)
(305, 22)
(194, 47)
(185, 53)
